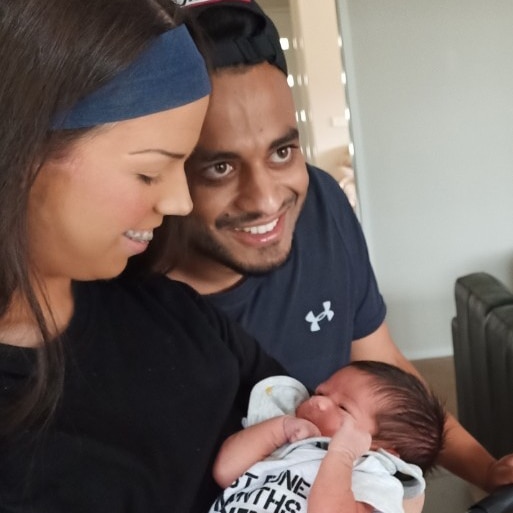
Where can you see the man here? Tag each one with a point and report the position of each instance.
(273, 241)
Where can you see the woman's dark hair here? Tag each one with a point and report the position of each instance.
(53, 52)
(410, 418)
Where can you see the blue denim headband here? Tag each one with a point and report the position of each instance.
(168, 74)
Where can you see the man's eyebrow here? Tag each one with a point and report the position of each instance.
(207, 155)
(291, 135)
(211, 155)
(169, 154)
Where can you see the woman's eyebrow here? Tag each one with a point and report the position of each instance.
(169, 154)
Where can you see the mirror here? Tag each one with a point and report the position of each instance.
(317, 79)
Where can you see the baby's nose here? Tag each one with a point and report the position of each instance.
(322, 402)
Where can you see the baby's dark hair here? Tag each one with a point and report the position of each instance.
(411, 418)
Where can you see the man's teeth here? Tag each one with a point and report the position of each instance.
(259, 230)
(143, 236)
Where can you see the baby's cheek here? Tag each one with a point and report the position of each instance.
(302, 411)
(309, 411)
(328, 425)
(326, 419)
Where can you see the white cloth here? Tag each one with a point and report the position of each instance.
(274, 396)
(281, 483)
(375, 482)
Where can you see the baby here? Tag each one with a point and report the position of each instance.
(360, 444)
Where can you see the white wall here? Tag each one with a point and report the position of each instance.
(430, 87)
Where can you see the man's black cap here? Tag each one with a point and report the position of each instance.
(238, 46)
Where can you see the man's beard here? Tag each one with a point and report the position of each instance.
(206, 245)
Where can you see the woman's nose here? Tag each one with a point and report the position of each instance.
(175, 198)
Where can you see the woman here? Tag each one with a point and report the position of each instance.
(113, 394)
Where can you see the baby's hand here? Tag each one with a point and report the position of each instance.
(350, 438)
(298, 429)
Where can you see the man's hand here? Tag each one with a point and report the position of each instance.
(500, 473)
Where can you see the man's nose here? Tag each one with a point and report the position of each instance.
(259, 191)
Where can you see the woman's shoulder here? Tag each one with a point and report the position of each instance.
(156, 285)
(156, 295)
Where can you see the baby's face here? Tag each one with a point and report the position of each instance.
(348, 391)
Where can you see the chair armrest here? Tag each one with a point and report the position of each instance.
(499, 501)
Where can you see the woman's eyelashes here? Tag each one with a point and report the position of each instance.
(147, 179)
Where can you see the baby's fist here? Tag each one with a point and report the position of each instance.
(351, 439)
(298, 429)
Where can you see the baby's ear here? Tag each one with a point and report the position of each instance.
(376, 444)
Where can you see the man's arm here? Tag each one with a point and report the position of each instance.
(463, 455)
(246, 447)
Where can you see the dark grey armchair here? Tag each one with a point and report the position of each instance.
(483, 360)
(482, 334)
(500, 501)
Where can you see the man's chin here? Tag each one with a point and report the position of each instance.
(258, 268)
(244, 262)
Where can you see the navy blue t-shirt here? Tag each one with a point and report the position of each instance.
(307, 312)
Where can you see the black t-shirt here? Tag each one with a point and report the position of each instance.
(155, 380)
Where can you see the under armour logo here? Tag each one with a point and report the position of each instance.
(314, 320)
